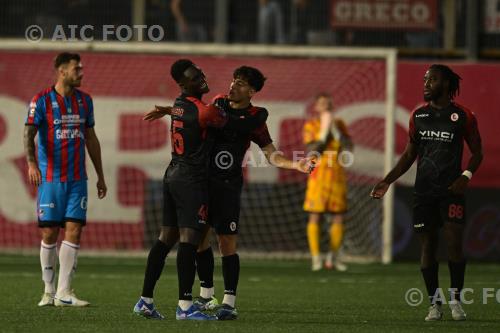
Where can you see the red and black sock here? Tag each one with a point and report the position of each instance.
(154, 267)
(186, 270)
(457, 275)
(430, 275)
(205, 267)
(231, 273)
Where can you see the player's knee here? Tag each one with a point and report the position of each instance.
(169, 236)
(72, 233)
(227, 245)
(314, 218)
(50, 235)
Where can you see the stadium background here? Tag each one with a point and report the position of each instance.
(464, 34)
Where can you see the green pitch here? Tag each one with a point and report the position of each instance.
(273, 296)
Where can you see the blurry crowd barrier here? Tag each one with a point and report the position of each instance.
(418, 27)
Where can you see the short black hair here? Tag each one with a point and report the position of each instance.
(452, 77)
(178, 68)
(252, 75)
(65, 58)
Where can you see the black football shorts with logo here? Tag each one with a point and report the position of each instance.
(185, 204)
(224, 205)
(431, 212)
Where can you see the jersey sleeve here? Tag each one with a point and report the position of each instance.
(210, 115)
(90, 120)
(471, 135)
(36, 111)
(261, 136)
(412, 132)
(221, 101)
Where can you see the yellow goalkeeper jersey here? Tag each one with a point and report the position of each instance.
(326, 185)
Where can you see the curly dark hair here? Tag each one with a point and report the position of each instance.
(452, 77)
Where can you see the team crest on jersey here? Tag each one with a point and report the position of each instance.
(32, 109)
(454, 117)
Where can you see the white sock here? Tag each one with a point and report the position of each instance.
(48, 261)
(185, 305)
(148, 300)
(67, 266)
(229, 300)
(207, 292)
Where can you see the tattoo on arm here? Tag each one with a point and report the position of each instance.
(29, 143)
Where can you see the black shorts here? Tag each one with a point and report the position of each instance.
(224, 205)
(185, 204)
(431, 212)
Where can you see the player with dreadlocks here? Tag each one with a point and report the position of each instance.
(436, 137)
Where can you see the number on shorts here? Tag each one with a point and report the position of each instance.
(455, 211)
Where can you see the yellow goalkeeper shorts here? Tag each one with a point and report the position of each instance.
(326, 191)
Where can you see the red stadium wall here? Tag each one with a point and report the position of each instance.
(125, 86)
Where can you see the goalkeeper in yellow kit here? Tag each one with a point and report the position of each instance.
(326, 186)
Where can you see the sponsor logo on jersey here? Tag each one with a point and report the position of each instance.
(454, 117)
(55, 105)
(436, 135)
(50, 205)
(420, 225)
(422, 115)
(69, 134)
(70, 120)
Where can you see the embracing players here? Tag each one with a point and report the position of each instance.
(185, 202)
(226, 181)
(437, 133)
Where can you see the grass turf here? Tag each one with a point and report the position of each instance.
(273, 296)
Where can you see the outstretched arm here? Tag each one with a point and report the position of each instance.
(404, 163)
(276, 158)
(157, 113)
(94, 149)
(34, 175)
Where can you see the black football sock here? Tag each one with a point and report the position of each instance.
(457, 275)
(430, 275)
(186, 270)
(154, 267)
(231, 273)
(205, 267)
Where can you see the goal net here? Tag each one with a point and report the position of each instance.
(126, 81)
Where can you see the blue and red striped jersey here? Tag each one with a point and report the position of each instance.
(61, 123)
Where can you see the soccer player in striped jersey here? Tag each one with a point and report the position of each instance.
(63, 117)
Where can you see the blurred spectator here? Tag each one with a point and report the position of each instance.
(270, 22)
(310, 23)
(188, 16)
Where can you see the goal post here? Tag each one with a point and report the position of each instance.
(357, 58)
